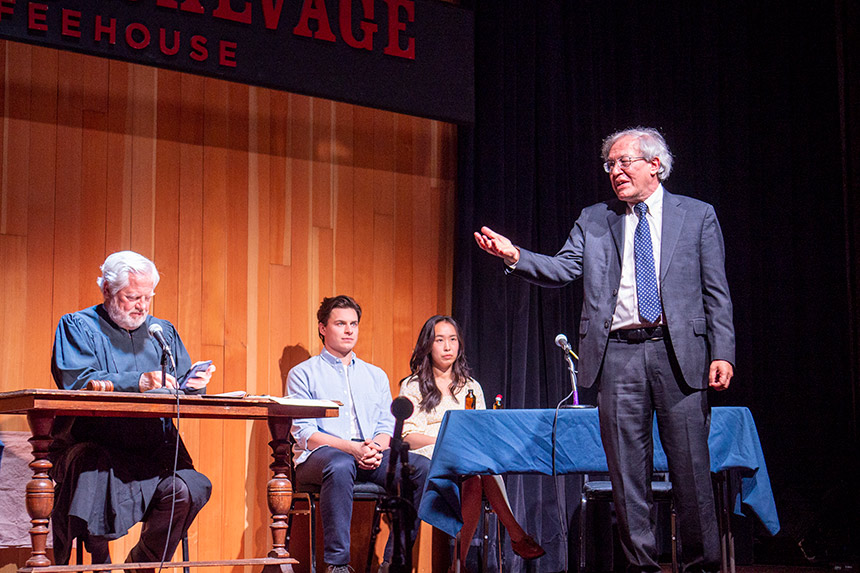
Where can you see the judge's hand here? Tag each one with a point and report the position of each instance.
(720, 374)
(202, 379)
(152, 380)
(497, 245)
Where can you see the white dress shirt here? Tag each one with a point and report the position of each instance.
(626, 313)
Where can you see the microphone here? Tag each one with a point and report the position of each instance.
(157, 333)
(401, 408)
(561, 342)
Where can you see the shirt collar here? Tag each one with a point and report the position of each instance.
(654, 202)
(334, 360)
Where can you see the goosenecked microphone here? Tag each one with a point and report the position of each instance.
(157, 333)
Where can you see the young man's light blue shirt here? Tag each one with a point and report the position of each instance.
(324, 377)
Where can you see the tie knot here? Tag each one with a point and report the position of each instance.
(640, 209)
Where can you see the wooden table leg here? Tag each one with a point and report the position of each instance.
(279, 489)
(40, 488)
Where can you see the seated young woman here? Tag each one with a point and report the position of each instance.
(439, 382)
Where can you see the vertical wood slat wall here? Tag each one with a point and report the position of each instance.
(253, 203)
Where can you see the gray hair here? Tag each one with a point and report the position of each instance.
(651, 145)
(119, 265)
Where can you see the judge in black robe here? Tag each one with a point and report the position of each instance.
(111, 473)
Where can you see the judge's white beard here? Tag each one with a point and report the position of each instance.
(121, 318)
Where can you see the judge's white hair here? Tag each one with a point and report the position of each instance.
(651, 145)
(119, 265)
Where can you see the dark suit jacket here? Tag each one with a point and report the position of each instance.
(697, 307)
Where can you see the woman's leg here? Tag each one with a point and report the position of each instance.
(470, 507)
(494, 489)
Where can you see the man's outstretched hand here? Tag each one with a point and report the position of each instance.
(497, 245)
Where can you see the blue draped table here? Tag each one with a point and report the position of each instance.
(520, 441)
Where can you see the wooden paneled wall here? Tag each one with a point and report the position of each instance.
(254, 204)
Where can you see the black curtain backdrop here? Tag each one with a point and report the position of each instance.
(748, 97)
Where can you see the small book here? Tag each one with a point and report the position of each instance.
(233, 394)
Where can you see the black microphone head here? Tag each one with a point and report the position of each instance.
(155, 328)
(402, 408)
(561, 341)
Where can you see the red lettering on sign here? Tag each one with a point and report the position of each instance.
(225, 11)
(271, 12)
(198, 48)
(395, 26)
(192, 6)
(101, 29)
(129, 36)
(37, 16)
(71, 23)
(227, 53)
(7, 7)
(162, 42)
(314, 9)
(369, 28)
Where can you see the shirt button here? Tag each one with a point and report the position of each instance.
(606, 324)
(614, 291)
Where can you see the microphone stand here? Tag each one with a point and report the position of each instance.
(397, 504)
(398, 501)
(574, 391)
(164, 362)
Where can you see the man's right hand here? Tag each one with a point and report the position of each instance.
(498, 245)
(152, 380)
(366, 455)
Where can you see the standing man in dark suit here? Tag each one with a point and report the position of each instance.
(656, 330)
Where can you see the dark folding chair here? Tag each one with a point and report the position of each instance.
(601, 490)
(309, 495)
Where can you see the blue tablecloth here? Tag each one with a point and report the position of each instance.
(520, 441)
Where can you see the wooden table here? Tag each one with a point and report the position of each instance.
(42, 406)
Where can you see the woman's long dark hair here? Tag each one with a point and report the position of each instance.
(421, 363)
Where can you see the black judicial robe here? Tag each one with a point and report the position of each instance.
(106, 469)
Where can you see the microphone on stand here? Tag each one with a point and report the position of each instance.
(561, 342)
(401, 409)
(157, 333)
(398, 503)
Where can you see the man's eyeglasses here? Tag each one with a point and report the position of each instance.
(624, 162)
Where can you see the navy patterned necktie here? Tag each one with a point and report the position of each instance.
(647, 293)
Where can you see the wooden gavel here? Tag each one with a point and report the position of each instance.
(100, 385)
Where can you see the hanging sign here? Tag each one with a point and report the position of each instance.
(409, 56)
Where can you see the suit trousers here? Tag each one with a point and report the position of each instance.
(336, 472)
(640, 379)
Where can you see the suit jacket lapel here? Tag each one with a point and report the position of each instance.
(673, 220)
(615, 220)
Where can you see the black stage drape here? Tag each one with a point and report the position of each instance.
(748, 97)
